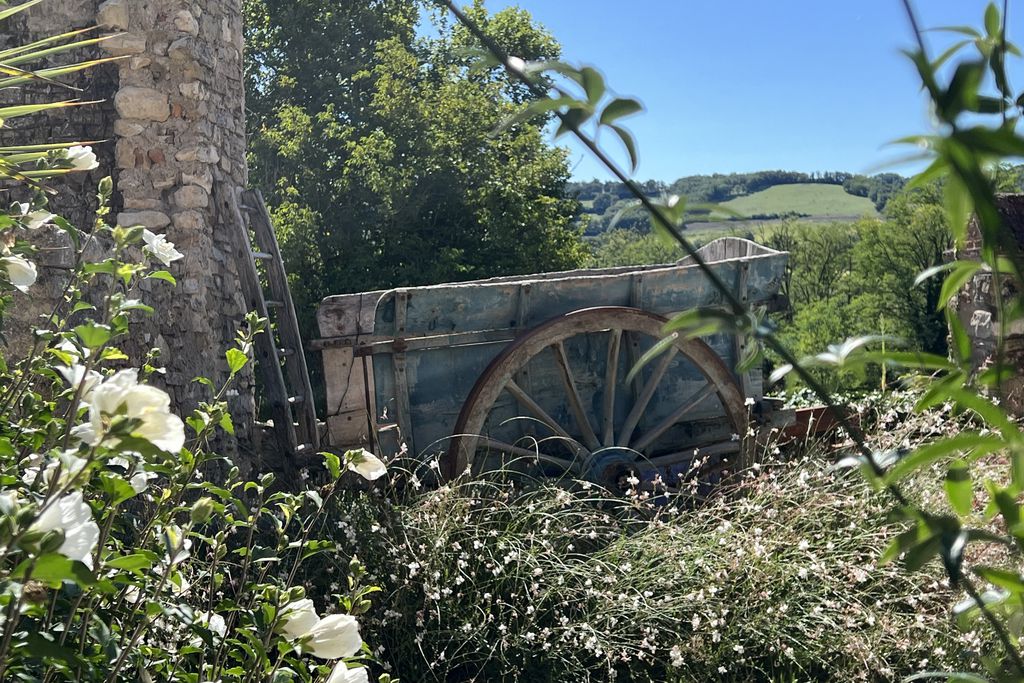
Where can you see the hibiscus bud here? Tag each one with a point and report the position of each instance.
(51, 542)
(202, 510)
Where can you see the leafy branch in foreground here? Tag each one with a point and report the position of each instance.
(964, 155)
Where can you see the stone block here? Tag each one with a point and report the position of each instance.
(147, 104)
(186, 23)
(182, 50)
(193, 90)
(127, 129)
(113, 14)
(192, 197)
(153, 220)
(142, 204)
(203, 178)
(190, 221)
(207, 155)
(125, 44)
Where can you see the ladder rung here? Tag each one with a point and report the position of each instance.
(303, 447)
(286, 352)
(295, 400)
(262, 255)
(274, 304)
(246, 207)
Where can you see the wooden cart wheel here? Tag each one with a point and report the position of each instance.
(556, 397)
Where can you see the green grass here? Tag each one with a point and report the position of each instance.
(805, 198)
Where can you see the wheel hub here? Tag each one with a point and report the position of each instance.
(612, 468)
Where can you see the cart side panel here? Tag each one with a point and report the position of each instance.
(347, 385)
(437, 381)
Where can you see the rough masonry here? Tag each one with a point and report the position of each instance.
(174, 123)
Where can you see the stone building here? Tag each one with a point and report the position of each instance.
(173, 127)
(976, 304)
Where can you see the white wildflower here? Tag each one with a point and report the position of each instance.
(123, 395)
(343, 674)
(82, 158)
(298, 618)
(77, 376)
(73, 516)
(334, 636)
(21, 272)
(160, 248)
(366, 464)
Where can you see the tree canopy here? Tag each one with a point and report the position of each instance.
(374, 145)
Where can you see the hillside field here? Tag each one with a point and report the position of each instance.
(809, 199)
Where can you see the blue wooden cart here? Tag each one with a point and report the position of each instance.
(532, 370)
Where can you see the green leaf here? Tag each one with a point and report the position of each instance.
(620, 108)
(43, 646)
(960, 273)
(919, 554)
(117, 488)
(958, 205)
(973, 444)
(574, 118)
(53, 569)
(1011, 581)
(11, 11)
(93, 335)
(918, 360)
(136, 562)
(992, 23)
(961, 341)
(629, 142)
(593, 84)
(226, 424)
(534, 109)
(333, 464)
(700, 322)
(162, 275)
(236, 359)
(660, 347)
(929, 273)
(958, 487)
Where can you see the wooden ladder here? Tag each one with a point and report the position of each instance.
(279, 349)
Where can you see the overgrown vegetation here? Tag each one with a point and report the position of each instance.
(778, 580)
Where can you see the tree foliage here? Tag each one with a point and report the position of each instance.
(380, 164)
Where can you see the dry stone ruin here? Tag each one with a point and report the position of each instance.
(174, 129)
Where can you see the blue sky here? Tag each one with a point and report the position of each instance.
(746, 85)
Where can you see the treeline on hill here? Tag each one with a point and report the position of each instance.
(610, 204)
(844, 279)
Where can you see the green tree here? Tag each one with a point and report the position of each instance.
(380, 164)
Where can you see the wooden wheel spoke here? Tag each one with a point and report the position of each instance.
(611, 377)
(645, 396)
(650, 437)
(497, 445)
(538, 412)
(724, 448)
(575, 402)
(627, 331)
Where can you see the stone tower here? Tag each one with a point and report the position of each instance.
(174, 126)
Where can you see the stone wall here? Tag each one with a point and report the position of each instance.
(174, 121)
(975, 306)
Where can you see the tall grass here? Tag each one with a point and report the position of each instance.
(776, 581)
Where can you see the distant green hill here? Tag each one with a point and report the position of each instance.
(757, 196)
(805, 199)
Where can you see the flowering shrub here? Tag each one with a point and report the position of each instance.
(119, 558)
(483, 581)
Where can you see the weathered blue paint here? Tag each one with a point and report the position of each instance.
(439, 380)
